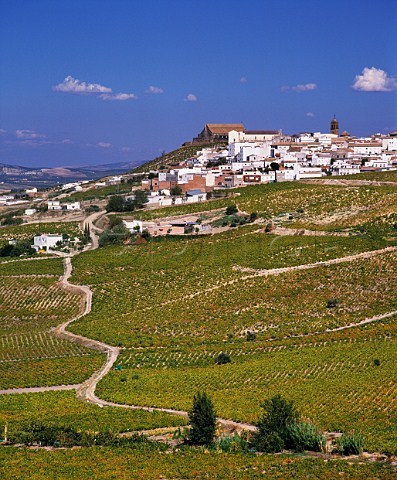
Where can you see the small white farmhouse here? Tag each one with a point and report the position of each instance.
(46, 240)
(30, 211)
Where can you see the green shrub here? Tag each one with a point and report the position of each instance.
(305, 436)
(232, 444)
(251, 336)
(332, 303)
(350, 444)
(270, 443)
(273, 428)
(222, 358)
(231, 210)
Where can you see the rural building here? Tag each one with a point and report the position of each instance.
(46, 241)
(217, 132)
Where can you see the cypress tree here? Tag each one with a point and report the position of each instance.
(202, 418)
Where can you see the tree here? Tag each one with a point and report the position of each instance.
(231, 210)
(176, 190)
(202, 418)
(140, 198)
(272, 434)
(275, 167)
(115, 204)
(87, 233)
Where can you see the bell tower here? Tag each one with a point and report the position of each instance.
(334, 126)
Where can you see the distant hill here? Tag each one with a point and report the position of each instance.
(14, 176)
(173, 158)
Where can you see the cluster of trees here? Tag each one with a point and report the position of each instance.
(116, 234)
(12, 218)
(233, 219)
(118, 203)
(36, 433)
(280, 427)
(20, 248)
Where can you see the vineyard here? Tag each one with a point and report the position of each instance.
(313, 318)
(63, 408)
(99, 193)
(31, 302)
(374, 176)
(32, 266)
(336, 384)
(145, 463)
(199, 297)
(188, 292)
(300, 204)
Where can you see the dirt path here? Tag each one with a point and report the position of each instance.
(302, 231)
(253, 272)
(332, 261)
(346, 182)
(11, 391)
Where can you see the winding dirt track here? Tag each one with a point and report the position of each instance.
(86, 390)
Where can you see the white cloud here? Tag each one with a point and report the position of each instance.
(67, 141)
(374, 80)
(243, 80)
(103, 145)
(126, 149)
(73, 85)
(190, 98)
(154, 90)
(309, 114)
(28, 134)
(118, 96)
(307, 87)
(2, 131)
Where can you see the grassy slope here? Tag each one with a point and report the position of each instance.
(172, 158)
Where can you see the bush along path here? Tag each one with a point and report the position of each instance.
(86, 390)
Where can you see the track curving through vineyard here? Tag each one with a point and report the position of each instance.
(86, 390)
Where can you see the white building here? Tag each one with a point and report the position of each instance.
(134, 225)
(30, 211)
(57, 205)
(54, 205)
(253, 136)
(46, 241)
(71, 206)
(366, 148)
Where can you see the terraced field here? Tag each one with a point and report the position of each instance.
(30, 304)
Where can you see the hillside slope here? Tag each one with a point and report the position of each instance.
(173, 158)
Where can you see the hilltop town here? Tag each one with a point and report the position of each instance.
(241, 157)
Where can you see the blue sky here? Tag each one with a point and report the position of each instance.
(86, 82)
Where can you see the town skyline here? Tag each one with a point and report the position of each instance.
(99, 82)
